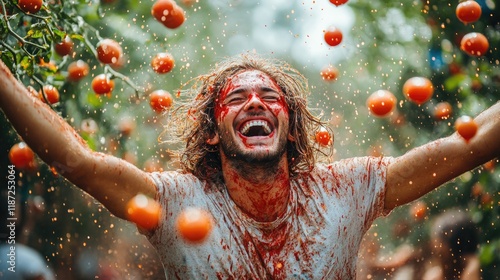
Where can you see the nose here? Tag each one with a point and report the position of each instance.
(254, 103)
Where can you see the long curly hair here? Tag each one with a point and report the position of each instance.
(194, 121)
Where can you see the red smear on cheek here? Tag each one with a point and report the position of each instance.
(221, 109)
(279, 107)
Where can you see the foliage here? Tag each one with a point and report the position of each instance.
(389, 42)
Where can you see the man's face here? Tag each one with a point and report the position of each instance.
(252, 118)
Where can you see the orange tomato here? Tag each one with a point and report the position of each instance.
(418, 89)
(160, 100)
(168, 13)
(143, 211)
(490, 165)
(64, 47)
(21, 155)
(162, 63)
(418, 210)
(102, 84)
(468, 11)
(333, 36)
(323, 137)
(466, 127)
(30, 6)
(109, 51)
(442, 111)
(338, 2)
(78, 70)
(381, 102)
(194, 225)
(51, 93)
(474, 44)
(329, 73)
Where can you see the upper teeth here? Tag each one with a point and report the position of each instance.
(250, 124)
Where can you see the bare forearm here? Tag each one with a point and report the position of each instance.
(55, 141)
(110, 180)
(425, 168)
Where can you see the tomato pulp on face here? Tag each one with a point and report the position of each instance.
(251, 111)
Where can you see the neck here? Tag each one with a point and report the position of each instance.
(260, 190)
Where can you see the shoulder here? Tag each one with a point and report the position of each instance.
(171, 182)
(174, 177)
(354, 165)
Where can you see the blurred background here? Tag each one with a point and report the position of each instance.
(384, 44)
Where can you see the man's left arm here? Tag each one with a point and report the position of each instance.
(425, 168)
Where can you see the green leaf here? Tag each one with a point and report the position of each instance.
(487, 254)
(453, 82)
(91, 142)
(60, 33)
(94, 101)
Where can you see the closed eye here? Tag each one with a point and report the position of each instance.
(273, 96)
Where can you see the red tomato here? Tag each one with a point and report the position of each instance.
(30, 6)
(162, 63)
(64, 47)
(466, 127)
(442, 111)
(329, 73)
(323, 137)
(194, 225)
(143, 211)
(418, 210)
(381, 102)
(78, 70)
(109, 51)
(51, 93)
(21, 155)
(474, 44)
(168, 13)
(160, 100)
(333, 36)
(418, 89)
(102, 84)
(490, 165)
(468, 11)
(338, 2)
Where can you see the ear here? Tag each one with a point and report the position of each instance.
(214, 140)
(290, 138)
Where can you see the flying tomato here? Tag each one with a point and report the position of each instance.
(160, 100)
(21, 155)
(194, 225)
(381, 102)
(474, 44)
(143, 211)
(418, 89)
(468, 11)
(333, 36)
(466, 127)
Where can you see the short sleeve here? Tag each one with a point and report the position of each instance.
(363, 181)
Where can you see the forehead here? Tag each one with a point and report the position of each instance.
(251, 78)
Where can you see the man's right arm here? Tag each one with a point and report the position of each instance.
(110, 180)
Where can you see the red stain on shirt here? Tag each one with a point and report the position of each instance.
(317, 237)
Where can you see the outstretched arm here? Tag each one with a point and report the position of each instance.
(427, 167)
(110, 180)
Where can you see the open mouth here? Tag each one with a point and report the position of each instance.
(256, 128)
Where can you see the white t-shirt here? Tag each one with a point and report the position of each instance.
(317, 238)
